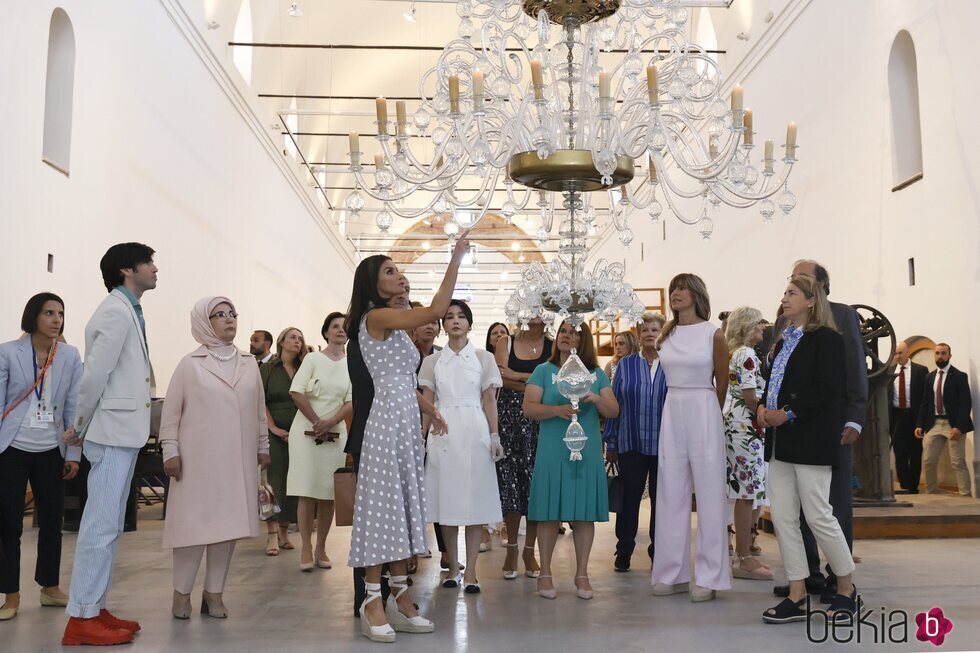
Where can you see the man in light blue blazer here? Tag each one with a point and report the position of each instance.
(39, 379)
(113, 421)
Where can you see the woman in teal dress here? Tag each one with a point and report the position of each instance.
(563, 490)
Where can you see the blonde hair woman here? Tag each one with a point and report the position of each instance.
(277, 379)
(746, 474)
(803, 408)
(624, 344)
(693, 351)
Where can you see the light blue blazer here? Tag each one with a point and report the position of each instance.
(17, 376)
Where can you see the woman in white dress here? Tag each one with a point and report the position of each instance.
(321, 390)
(460, 471)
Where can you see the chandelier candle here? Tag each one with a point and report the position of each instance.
(652, 90)
(355, 148)
(400, 117)
(747, 124)
(454, 94)
(381, 105)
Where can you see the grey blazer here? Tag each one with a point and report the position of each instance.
(849, 325)
(17, 376)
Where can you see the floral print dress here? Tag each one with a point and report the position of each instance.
(746, 476)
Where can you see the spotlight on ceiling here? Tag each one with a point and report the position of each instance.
(410, 15)
(294, 10)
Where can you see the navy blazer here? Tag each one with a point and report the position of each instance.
(813, 388)
(956, 400)
(16, 378)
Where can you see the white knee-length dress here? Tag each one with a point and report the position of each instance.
(389, 506)
(460, 476)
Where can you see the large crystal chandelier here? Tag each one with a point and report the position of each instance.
(513, 100)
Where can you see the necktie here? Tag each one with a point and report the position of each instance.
(940, 408)
(902, 403)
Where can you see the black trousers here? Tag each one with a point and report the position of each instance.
(636, 472)
(841, 500)
(908, 450)
(359, 591)
(44, 471)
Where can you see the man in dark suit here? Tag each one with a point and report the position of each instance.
(904, 401)
(855, 411)
(944, 415)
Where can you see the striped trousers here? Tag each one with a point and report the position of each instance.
(102, 524)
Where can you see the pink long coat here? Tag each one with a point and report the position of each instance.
(218, 429)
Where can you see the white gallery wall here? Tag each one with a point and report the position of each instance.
(166, 149)
(828, 71)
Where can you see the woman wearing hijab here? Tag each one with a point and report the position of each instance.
(213, 431)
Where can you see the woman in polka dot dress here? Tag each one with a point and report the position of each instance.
(389, 507)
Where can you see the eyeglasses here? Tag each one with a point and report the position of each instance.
(223, 314)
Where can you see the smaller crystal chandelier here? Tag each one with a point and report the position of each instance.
(565, 290)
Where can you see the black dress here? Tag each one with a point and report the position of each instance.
(519, 437)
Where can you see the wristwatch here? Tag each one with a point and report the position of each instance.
(790, 415)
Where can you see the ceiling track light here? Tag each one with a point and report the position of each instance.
(410, 15)
(294, 10)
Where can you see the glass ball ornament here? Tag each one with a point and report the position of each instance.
(767, 209)
(787, 201)
(481, 152)
(466, 28)
(715, 127)
(439, 135)
(751, 175)
(451, 229)
(706, 227)
(508, 210)
(719, 108)
(454, 148)
(355, 202)
(626, 236)
(655, 209)
(542, 236)
(421, 118)
(383, 221)
(500, 87)
(464, 8)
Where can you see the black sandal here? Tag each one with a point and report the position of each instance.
(786, 612)
(843, 607)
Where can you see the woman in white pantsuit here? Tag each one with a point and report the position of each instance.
(693, 353)
(460, 474)
(803, 408)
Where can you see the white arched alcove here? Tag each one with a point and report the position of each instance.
(903, 91)
(59, 92)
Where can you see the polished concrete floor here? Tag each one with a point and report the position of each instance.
(274, 607)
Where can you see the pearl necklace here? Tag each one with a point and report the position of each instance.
(223, 359)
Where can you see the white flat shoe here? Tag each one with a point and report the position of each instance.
(701, 594)
(666, 589)
(400, 622)
(383, 633)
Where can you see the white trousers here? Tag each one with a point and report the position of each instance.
(933, 445)
(102, 524)
(187, 560)
(790, 487)
(692, 456)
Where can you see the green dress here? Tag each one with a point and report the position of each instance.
(562, 490)
(276, 382)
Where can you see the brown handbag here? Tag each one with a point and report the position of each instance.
(344, 485)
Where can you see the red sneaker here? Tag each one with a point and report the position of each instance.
(93, 632)
(113, 621)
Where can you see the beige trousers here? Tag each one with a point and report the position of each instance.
(790, 487)
(187, 560)
(932, 447)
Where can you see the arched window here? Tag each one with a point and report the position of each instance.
(242, 55)
(903, 89)
(58, 92)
